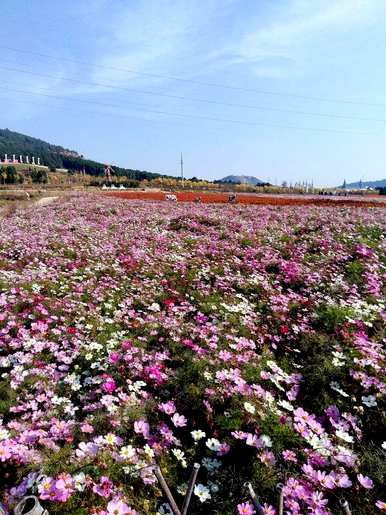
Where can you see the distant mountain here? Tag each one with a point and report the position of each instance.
(366, 184)
(241, 179)
(55, 156)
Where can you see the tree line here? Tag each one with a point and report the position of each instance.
(9, 175)
(54, 156)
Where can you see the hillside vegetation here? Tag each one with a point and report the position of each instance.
(55, 156)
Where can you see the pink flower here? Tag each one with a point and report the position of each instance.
(141, 427)
(318, 501)
(117, 507)
(365, 481)
(268, 509)
(45, 488)
(268, 458)
(343, 481)
(87, 428)
(39, 326)
(167, 407)
(5, 451)
(64, 487)
(104, 487)
(253, 441)
(223, 449)
(325, 480)
(245, 508)
(179, 420)
(126, 345)
(289, 456)
(381, 505)
(239, 435)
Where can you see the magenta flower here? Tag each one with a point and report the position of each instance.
(109, 386)
(114, 357)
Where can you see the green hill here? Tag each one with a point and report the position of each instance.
(55, 156)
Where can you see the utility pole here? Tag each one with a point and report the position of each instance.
(182, 170)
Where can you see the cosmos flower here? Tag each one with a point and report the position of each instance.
(202, 492)
(245, 508)
(365, 481)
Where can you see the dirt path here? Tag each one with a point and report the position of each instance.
(45, 201)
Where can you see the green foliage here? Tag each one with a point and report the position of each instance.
(39, 176)
(354, 271)
(331, 316)
(283, 436)
(9, 175)
(318, 371)
(57, 462)
(7, 397)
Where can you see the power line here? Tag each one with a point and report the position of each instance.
(187, 115)
(104, 113)
(193, 81)
(182, 97)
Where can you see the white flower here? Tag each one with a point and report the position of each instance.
(180, 455)
(266, 440)
(182, 488)
(110, 439)
(213, 444)
(384, 445)
(344, 436)
(80, 481)
(337, 362)
(127, 452)
(4, 434)
(164, 509)
(148, 451)
(369, 401)
(202, 492)
(286, 405)
(335, 386)
(197, 435)
(249, 407)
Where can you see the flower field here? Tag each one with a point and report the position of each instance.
(248, 339)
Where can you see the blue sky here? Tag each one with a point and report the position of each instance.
(311, 73)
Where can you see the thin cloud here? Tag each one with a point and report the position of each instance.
(299, 27)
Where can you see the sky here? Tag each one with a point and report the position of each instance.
(289, 90)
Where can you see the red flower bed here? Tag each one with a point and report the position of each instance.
(244, 198)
